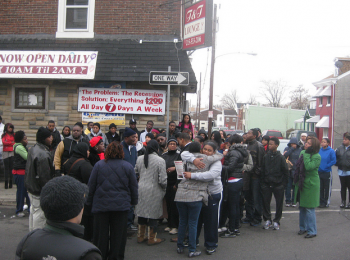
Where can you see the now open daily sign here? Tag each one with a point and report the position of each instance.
(48, 64)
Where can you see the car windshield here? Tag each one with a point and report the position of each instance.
(276, 134)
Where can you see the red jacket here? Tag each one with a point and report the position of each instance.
(7, 142)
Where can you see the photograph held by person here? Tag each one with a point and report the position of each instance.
(170, 157)
(152, 187)
(8, 140)
(79, 167)
(39, 170)
(97, 149)
(19, 165)
(112, 191)
(62, 201)
(307, 187)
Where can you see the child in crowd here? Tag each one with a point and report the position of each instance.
(273, 179)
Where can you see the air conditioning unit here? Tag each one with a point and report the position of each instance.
(185, 107)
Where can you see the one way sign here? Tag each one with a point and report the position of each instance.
(165, 78)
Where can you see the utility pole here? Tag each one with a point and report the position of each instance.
(211, 89)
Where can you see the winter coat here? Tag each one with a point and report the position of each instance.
(274, 170)
(129, 155)
(152, 186)
(110, 137)
(56, 139)
(112, 186)
(81, 169)
(104, 138)
(234, 160)
(65, 149)
(328, 159)
(257, 151)
(20, 157)
(292, 154)
(7, 142)
(39, 168)
(343, 158)
(57, 240)
(310, 195)
(170, 157)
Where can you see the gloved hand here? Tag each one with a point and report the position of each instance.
(309, 150)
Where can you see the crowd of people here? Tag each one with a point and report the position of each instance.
(118, 181)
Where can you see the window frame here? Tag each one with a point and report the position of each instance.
(320, 101)
(326, 129)
(62, 32)
(16, 87)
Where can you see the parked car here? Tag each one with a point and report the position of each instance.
(272, 133)
(297, 134)
(232, 132)
(283, 145)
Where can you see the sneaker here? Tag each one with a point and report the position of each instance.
(180, 250)
(255, 223)
(167, 229)
(195, 253)
(267, 224)
(228, 234)
(210, 251)
(173, 231)
(294, 205)
(223, 229)
(237, 232)
(132, 227)
(288, 204)
(276, 226)
(25, 207)
(246, 221)
(21, 215)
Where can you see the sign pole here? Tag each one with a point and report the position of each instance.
(168, 108)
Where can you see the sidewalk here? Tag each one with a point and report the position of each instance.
(7, 196)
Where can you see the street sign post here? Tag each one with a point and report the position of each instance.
(171, 78)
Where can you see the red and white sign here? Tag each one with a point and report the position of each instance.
(48, 64)
(126, 101)
(194, 29)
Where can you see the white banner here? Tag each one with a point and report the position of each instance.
(48, 64)
(126, 101)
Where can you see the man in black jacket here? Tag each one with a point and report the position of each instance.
(39, 170)
(251, 184)
(112, 134)
(62, 200)
(273, 179)
(56, 137)
(132, 124)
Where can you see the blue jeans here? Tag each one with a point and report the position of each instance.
(189, 214)
(290, 191)
(253, 203)
(307, 220)
(21, 193)
(210, 218)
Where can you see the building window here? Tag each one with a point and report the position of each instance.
(227, 119)
(325, 132)
(75, 19)
(320, 101)
(233, 119)
(30, 98)
(328, 101)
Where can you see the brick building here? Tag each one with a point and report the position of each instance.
(127, 39)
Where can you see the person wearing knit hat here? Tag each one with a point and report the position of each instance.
(155, 132)
(62, 200)
(39, 170)
(132, 124)
(97, 149)
(112, 135)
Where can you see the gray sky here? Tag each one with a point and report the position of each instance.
(296, 41)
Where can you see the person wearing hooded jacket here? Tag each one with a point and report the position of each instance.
(233, 166)
(79, 167)
(96, 131)
(291, 152)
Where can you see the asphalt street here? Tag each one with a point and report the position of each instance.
(333, 225)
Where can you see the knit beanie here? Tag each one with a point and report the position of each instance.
(95, 141)
(129, 132)
(42, 134)
(62, 198)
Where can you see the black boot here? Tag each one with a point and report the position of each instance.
(342, 205)
(10, 184)
(6, 184)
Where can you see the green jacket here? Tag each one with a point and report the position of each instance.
(21, 150)
(310, 196)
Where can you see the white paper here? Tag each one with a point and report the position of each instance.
(179, 169)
